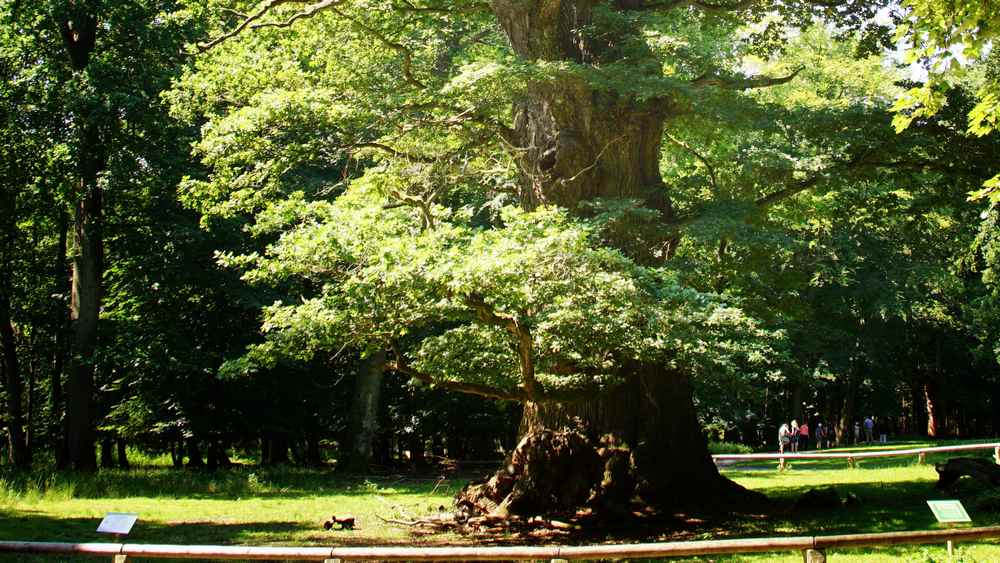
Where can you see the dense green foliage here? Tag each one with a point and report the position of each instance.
(296, 200)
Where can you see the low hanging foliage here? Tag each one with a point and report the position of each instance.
(523, 305)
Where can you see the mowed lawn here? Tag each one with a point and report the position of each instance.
(287, 506)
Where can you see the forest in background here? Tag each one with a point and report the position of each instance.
(343, 231)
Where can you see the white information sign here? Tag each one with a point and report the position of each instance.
(118, 523)
(949, 511)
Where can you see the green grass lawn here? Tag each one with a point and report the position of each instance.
(286, 507)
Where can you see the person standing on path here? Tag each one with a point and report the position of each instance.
(820, 435)
(869, 428)
(857, 432)
(793, 435)
(783, 439)
(804, 436)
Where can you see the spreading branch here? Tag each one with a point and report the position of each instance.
(675, 4)
(304, 14)
(253, 19)
(745, 83)
(406, 53)
(401, 366)
(702, 159)
(522, 334)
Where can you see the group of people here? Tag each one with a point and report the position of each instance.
(870, 428)
(795, 437)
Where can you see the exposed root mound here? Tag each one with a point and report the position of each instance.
(552, 472)
(987, 472)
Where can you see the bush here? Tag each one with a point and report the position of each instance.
(728, 448)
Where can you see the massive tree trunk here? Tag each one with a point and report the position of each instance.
(654, 416)
(575, 144)
(364, 412)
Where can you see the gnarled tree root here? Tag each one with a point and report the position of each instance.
(563, 474)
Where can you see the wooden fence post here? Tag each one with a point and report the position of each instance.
(814, 556)
(996, 454)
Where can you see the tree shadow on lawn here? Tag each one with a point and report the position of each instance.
(229, 484)
(29, 525)
(873, 507)
(880, 507)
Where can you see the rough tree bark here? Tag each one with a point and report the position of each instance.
(79, 32)
(364, 412)
(85, 307)
(576, 144)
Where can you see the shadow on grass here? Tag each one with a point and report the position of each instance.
(873, 508)
(228, 484)
(28, 525)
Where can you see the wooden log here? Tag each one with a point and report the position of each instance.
(814, 556)
(980, 469)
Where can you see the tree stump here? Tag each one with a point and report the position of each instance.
(954, 469)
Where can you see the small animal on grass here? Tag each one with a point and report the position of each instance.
(345, 522)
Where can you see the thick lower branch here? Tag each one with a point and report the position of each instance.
(487, 391)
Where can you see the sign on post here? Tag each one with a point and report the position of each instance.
(949, 511)
(118, 523)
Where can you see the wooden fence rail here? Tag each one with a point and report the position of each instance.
(813, 547)
(851, 457)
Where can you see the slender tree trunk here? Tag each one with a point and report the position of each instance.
(313, 455)
(61, 322)
(32, 402)
(107, 453)
(195, 460)
(20, 455)
(933, 412)
(364, 412)
(217, 457)
(79, 30)
(177, 455)
(796, 401)
(85, 308)
(418, 454)
(122, 454)
(275, 445)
